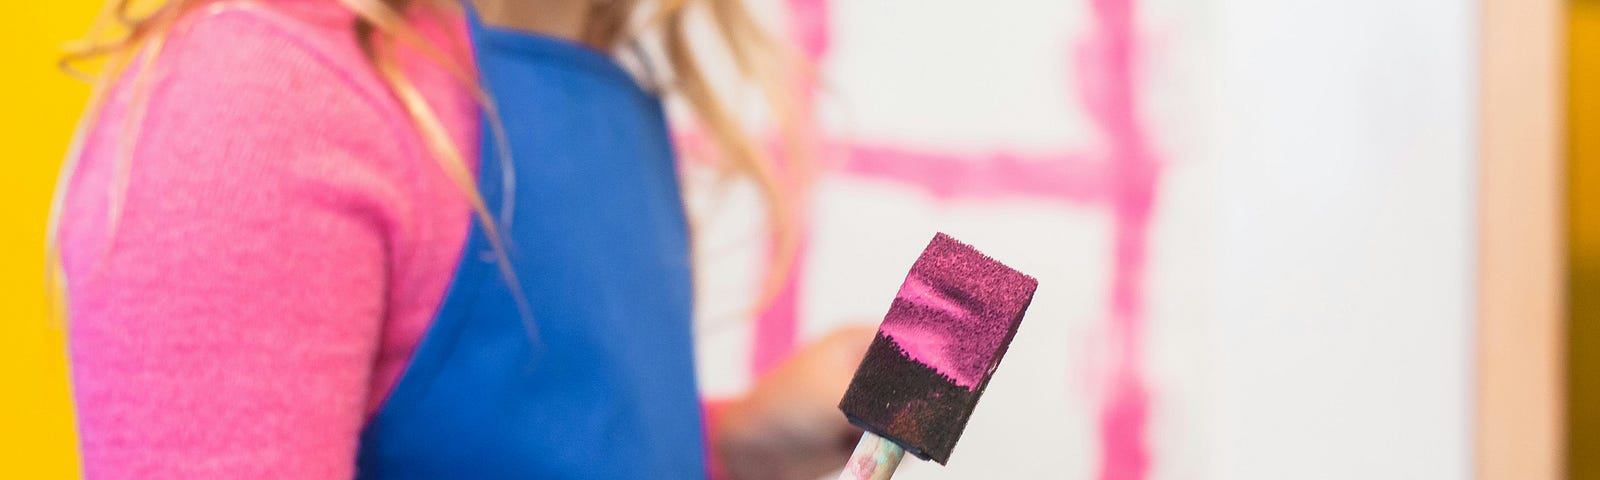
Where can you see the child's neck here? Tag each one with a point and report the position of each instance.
(558, 18)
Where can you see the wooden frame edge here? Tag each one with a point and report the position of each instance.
(1520, 391)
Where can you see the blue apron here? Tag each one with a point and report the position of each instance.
(602, 385)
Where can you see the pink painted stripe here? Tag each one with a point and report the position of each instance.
(1109, 88)
(1066, 177)
(809, 28)
(778, 325)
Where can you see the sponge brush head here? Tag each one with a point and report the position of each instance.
(944, 336)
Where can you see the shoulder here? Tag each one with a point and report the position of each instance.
(294, 69)
(251, 106)
(242, 108)
(282, 68)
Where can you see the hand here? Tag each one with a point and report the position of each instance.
(789, 426)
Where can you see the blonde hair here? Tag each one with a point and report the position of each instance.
(127, 41)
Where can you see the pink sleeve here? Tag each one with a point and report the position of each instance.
(711, 413)
(229, 329)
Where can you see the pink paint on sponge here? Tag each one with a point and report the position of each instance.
(942, 339)
(957, 310)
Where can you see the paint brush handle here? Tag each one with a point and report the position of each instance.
(875, 458)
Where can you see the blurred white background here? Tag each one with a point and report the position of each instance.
(1307, 268)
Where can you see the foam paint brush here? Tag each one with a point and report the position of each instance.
(933, 356)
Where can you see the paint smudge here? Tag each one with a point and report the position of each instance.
(957, 310)
(873, 459)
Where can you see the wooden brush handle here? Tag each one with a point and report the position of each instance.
(875, 458)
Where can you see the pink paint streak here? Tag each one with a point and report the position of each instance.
(957, 311)
(928, 347)
(808, 28)
(1067, 178)
(864, 467)
(1109, 89)
(916, 290)
(922, 344)
(778, 324)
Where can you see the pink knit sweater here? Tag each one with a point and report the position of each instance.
(283, 244)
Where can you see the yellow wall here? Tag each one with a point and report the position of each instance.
(1583, 217)
(38, 106)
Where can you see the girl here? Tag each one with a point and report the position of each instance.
(410, 239)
